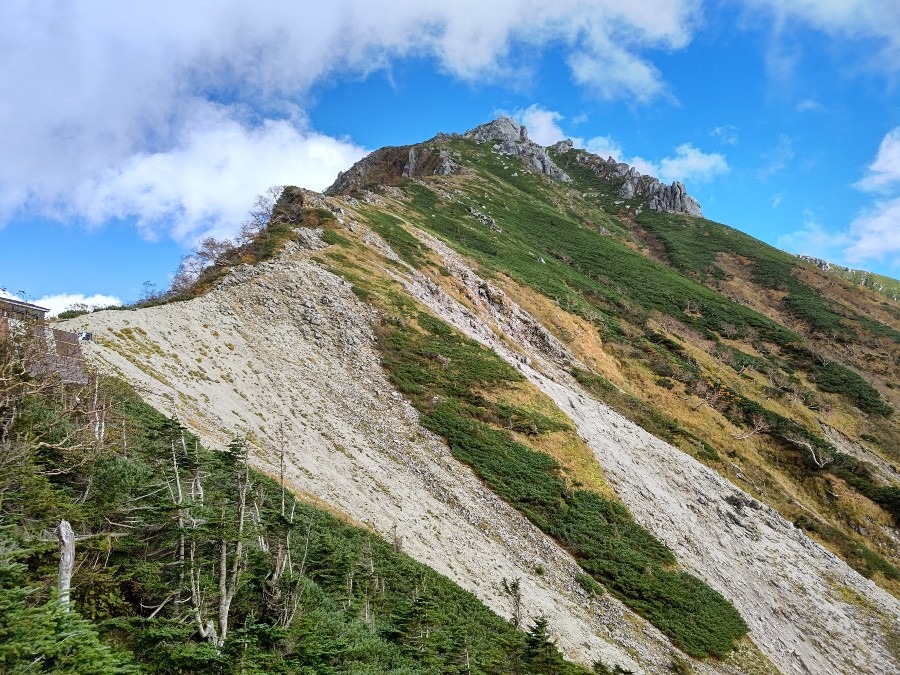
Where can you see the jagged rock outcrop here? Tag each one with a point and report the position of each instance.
(823, 265)
(447, 165)
(389, 166)
(409, 169)
(510, 138)
(672, 198)
(562, 147)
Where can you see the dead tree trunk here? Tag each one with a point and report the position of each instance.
(228, 579)
(66, 561)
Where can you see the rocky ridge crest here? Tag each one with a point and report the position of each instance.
(388, 166)
(672, 198)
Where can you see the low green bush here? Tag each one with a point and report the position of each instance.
(444, 374)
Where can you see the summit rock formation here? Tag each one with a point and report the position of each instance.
(511, 138)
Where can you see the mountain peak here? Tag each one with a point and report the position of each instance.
(389, 165)
(501, 129)
(511, 138)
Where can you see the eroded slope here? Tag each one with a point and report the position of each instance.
(285, 352)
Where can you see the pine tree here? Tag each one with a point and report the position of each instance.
(46, 636)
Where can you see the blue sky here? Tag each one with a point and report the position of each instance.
(131, 130)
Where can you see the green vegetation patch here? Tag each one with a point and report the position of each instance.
(692, 245)
(390, 228)
(444, 375)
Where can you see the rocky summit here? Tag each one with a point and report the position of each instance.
(509, 138)
(483, 406)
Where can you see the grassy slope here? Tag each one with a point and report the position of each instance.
(444, 374)
(880, 284)
(681, 346)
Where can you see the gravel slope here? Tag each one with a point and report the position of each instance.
(285, 351)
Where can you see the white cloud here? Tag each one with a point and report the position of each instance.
(205, 183)
(605, 146)
(692, 164)
(777, 198)
(62, 301)
(884, 171)
(813, 239)
(615, 73)
(101, 99)
(542, 124)
(877, 20)
(875, 233)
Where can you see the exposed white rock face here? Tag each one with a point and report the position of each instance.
(675, 199)
(503, 129)
(409, 169)
(562, 147)
(447, 165)
(512, 139)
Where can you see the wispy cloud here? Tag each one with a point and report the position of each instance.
(874, 233)
(884, 172)
(727, 134)
(778, 158)
(692, 164)
(777, 198)
(813, 239)
(874, 20)
(808, 105)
